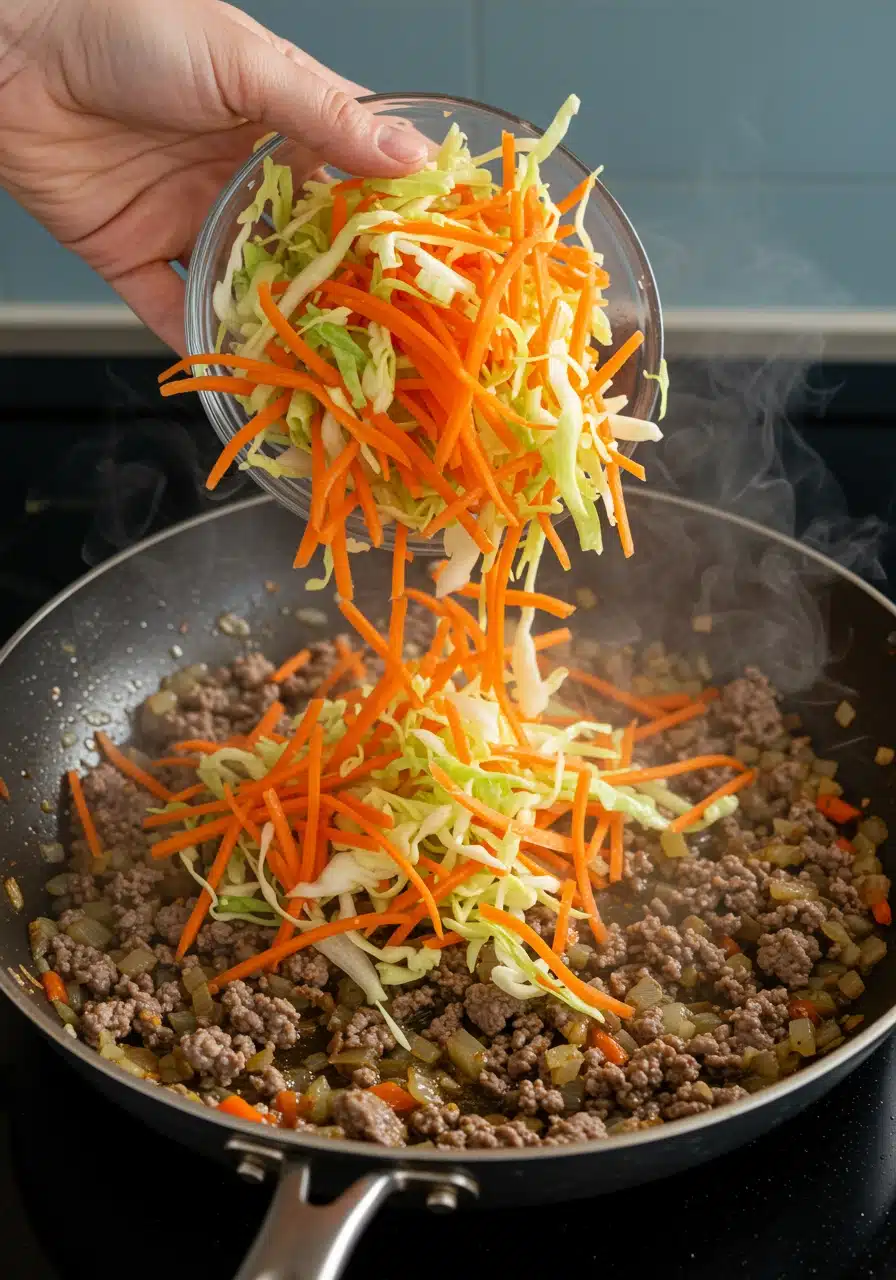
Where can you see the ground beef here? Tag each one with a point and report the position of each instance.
(308, 968)
(269, 1082)
(266, 1019)
(788, 956)
(448, 1022)
(407, 1004)
(723, 881)
(367, 1029)
(489, 1007)
(365, 1116)
(452, 977)
(118, 807)
(534, 1096)
(749, 708)
(211, 1052)
(584, 1126)
(113, 1016)
(76, 962)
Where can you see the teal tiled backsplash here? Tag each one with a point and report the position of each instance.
(752, 144)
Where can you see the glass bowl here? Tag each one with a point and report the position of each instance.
(632, 295)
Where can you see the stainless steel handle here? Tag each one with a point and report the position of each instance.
(301, 1241)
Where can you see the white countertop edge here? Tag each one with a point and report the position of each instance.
(109, 329)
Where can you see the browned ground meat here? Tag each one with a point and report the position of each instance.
(728, 949)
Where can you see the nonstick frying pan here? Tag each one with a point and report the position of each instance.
(95, 651)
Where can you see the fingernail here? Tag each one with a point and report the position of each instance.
(401, 145)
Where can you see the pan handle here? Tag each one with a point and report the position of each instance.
(301, 1241)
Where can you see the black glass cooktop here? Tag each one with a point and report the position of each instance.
(88, 1191)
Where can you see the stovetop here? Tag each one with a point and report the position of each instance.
(87, 1190)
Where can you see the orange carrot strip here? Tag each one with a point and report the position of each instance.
(492, 818)
(271, 717)
(178, 815)
(581, 327)
(285, 841)
(561, 929)
(614, 480)
(578, 193)
(215, 872)
(608, 370)
(247, 433)
(334, 473)
(626, 776)
(189, 792)
(126, 766)
(617, 855)
(291, 666)
(597, 999)
(54, 986)
(882, 913)
(345, 807)
(399, 560)
(579, 854)
(628, 464)
(508, 161)
(525, 600)
(294, 341)
(236, 1106)
(337, 672)
(371, 636)
(612, 693)
(368, 504)
(452, 509)
(610, 1048)
(681, 716)
(91, 835)
(458, 737)
(309, 840)
(431, 942)
(307, 939)
(339, 216)
(554, 539)
(726, 789)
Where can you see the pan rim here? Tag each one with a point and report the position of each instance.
(289, 1141)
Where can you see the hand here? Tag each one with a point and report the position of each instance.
(120, 121)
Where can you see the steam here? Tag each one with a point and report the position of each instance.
(729, 443)
(150, 471)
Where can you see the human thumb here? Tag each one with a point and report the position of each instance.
(271, 84)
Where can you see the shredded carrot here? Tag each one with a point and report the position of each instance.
(610, 1048)
(491, 817)
(287, 1103)
(371, 636)
(293, 340)
(272, 717)
(680, 716)
(285, 841)
(213, 877)
(431, 942)
(837, 810)
(91, 835)
(508, 161)
(54, 986)
(399, 560)
(234, 1105)
(337, 672)
(307, 939)
(260, 422)
(625, 777)
(394, 1095)
(309, 840)
(554, 539)
(576, 195)
(617, 853)
(561, 930)
(579, 854)
(458, 737)
(607, 371)
(525, 600)
(614, 480)
(611, 692)
(590, 995)
(726, 789)
(882, 913)
(291, 666)
(126, 765)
